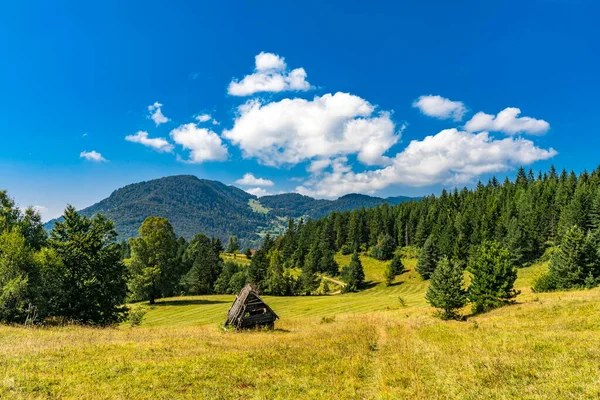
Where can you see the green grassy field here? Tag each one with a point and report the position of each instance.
(370, 347)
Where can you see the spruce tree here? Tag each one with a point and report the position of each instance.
(493, 277)
(354, 275)
(574, 260)
(428, 258)
(446, 290)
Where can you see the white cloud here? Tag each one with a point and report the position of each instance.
(204, 144)
(440, 107)
(159, 144)
(291, 131)
(203, 117)
(92, 156)
(250, 180)
(156, 114)
(257, 191)
(450, 157)
(270, 75)
(507, 121)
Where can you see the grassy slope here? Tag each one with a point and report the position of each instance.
(547, 345)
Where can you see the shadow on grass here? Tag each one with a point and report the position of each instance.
(188, 302)
(369, 285)
(396, 283)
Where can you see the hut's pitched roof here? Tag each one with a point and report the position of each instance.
(247, 298)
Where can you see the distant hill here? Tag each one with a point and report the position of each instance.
(297, 205)
(195, 205)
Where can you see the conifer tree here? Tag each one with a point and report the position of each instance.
(573, 261)
(354, 274)
(493, 277)
(446, 290)
(428, 258)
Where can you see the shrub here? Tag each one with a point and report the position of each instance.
(136, 315)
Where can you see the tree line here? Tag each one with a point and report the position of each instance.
(79, 272)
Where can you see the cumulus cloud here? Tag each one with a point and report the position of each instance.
(449, 157)
(156, 114)
(159, 144)
(440, 107)
(203, 144)
(270, 75)
(507, 121)
(291, 131)
(93, 156)
(257, 191)
(203, 117)
(250, 180)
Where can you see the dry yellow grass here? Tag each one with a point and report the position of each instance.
(546, 346)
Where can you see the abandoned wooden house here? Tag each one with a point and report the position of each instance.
(250, 311)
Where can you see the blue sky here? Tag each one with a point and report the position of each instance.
(324, 99)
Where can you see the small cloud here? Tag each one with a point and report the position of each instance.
(159, 144)
(93, 156)
(194, 75)
(156, 114)
(84, 134)
(257, 191)
(507, 121)
(250, 180)
(203, 117)
(440, 107)
(270, 75)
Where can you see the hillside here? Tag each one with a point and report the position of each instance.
(192, 205)
(195, 205)
(297, 205)
(359, 345)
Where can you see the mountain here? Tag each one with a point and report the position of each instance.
(296, 205)
(195, 205)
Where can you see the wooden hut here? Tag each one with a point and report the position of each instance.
(249, 311)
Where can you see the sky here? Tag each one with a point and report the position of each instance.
(320, 98)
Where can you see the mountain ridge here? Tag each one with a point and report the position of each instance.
(195, 205)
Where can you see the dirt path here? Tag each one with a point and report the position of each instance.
(336, 281)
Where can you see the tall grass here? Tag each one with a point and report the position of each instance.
(545, 346)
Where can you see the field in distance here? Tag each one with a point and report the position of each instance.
(381, 343)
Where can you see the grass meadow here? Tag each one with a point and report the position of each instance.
(381, 343)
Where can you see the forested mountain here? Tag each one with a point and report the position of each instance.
(297, 205)
(195, 205)
(192, 205)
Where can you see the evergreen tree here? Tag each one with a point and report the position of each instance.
(394, 268)
(396, 265)
(353, 274)
(89, 282)
(308, 278)
(493, 277)
(275, 283)
(384, 249)
(573, 261)
(428, 258)
(204, 266)
(446, 289)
